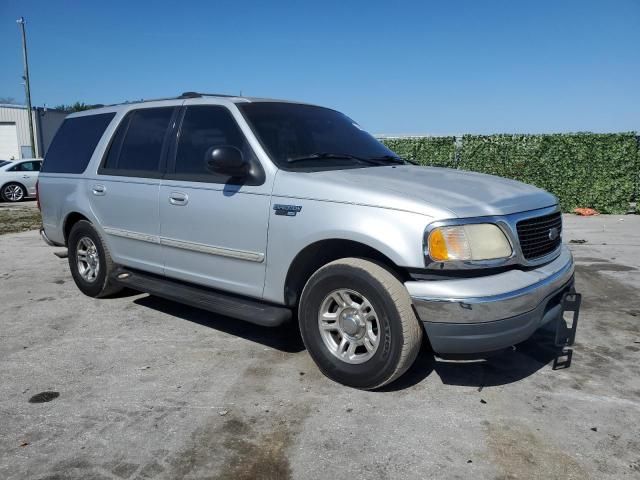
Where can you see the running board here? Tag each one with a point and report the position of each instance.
(249, 310)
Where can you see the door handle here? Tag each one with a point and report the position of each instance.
(98, 190)
(26, 176)
(178, 198)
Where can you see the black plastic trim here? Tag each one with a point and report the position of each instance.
(223, 303)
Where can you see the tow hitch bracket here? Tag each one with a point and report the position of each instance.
(566, 330)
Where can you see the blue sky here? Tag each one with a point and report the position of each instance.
(396, 67)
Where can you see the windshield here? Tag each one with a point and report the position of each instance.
(307, 137)
(4, 162)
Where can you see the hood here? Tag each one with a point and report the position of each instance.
(436, 192)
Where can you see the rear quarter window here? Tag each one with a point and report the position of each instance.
(74, 143)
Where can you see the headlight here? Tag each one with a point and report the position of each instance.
(480, 241)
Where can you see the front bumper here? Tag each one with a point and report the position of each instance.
(489, 313)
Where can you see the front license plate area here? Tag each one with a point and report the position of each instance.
(566, 329)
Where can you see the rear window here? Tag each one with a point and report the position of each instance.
(75, 142)
(137, 146)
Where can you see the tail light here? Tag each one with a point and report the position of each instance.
(38, 195)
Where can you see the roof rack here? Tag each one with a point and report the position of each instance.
(198, 95)
(183, 95)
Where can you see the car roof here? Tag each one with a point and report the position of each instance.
(172, 101)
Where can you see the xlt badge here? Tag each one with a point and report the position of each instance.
(288, 210)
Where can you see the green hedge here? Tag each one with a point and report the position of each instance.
(433, 151)
(601, 171)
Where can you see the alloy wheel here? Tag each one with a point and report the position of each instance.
(349, 326)
(87, 259)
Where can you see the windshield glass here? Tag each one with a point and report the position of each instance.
(308, 137)
(4, 162)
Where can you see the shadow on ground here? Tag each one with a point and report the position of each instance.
(502, 368)
(286, 338)
(508, 366)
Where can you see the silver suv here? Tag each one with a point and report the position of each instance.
(267, 210)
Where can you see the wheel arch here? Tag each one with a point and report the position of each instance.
(321, 252)
(70, 220)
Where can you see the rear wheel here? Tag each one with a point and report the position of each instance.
(90, 262)
(358, 324)
(13, 192)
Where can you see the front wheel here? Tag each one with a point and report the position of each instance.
(358, 324)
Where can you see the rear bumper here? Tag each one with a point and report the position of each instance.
(47, 240)
(484, 314)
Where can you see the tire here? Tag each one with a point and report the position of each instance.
(84, 238)
(13, 192)
(391, 320)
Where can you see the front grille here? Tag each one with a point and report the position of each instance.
(535, 235)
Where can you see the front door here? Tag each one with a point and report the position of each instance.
(213, 231)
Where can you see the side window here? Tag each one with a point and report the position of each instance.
(74, 143)
(136, 148)
(204, 127)
(27, 167)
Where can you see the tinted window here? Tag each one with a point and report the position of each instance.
(26, 167)
(75, 142)
(137, 145)
(204, 128)
(294, 131)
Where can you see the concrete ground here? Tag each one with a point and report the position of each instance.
(152, 389)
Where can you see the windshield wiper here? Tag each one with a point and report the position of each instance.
(315, 156)
(389, 159)
(384, 159)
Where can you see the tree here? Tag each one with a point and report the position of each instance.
(9, 101)
(76, 107)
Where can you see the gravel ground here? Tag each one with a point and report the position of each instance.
(18, 217)
(153, 389)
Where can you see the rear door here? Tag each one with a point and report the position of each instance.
(213, 230)
(124, 194)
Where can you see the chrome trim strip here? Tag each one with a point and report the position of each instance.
(219, 251)
(192, 246)
(143, 237)
(508, 225)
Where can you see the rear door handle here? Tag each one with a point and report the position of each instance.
(178, 198)
(26, 176)
(99, 190)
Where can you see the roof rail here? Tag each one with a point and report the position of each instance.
(198, 95)
(184, 95)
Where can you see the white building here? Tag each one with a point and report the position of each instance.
(14, 130)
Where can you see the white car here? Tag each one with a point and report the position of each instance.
(18, 178)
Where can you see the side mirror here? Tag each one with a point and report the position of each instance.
(226, 160)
